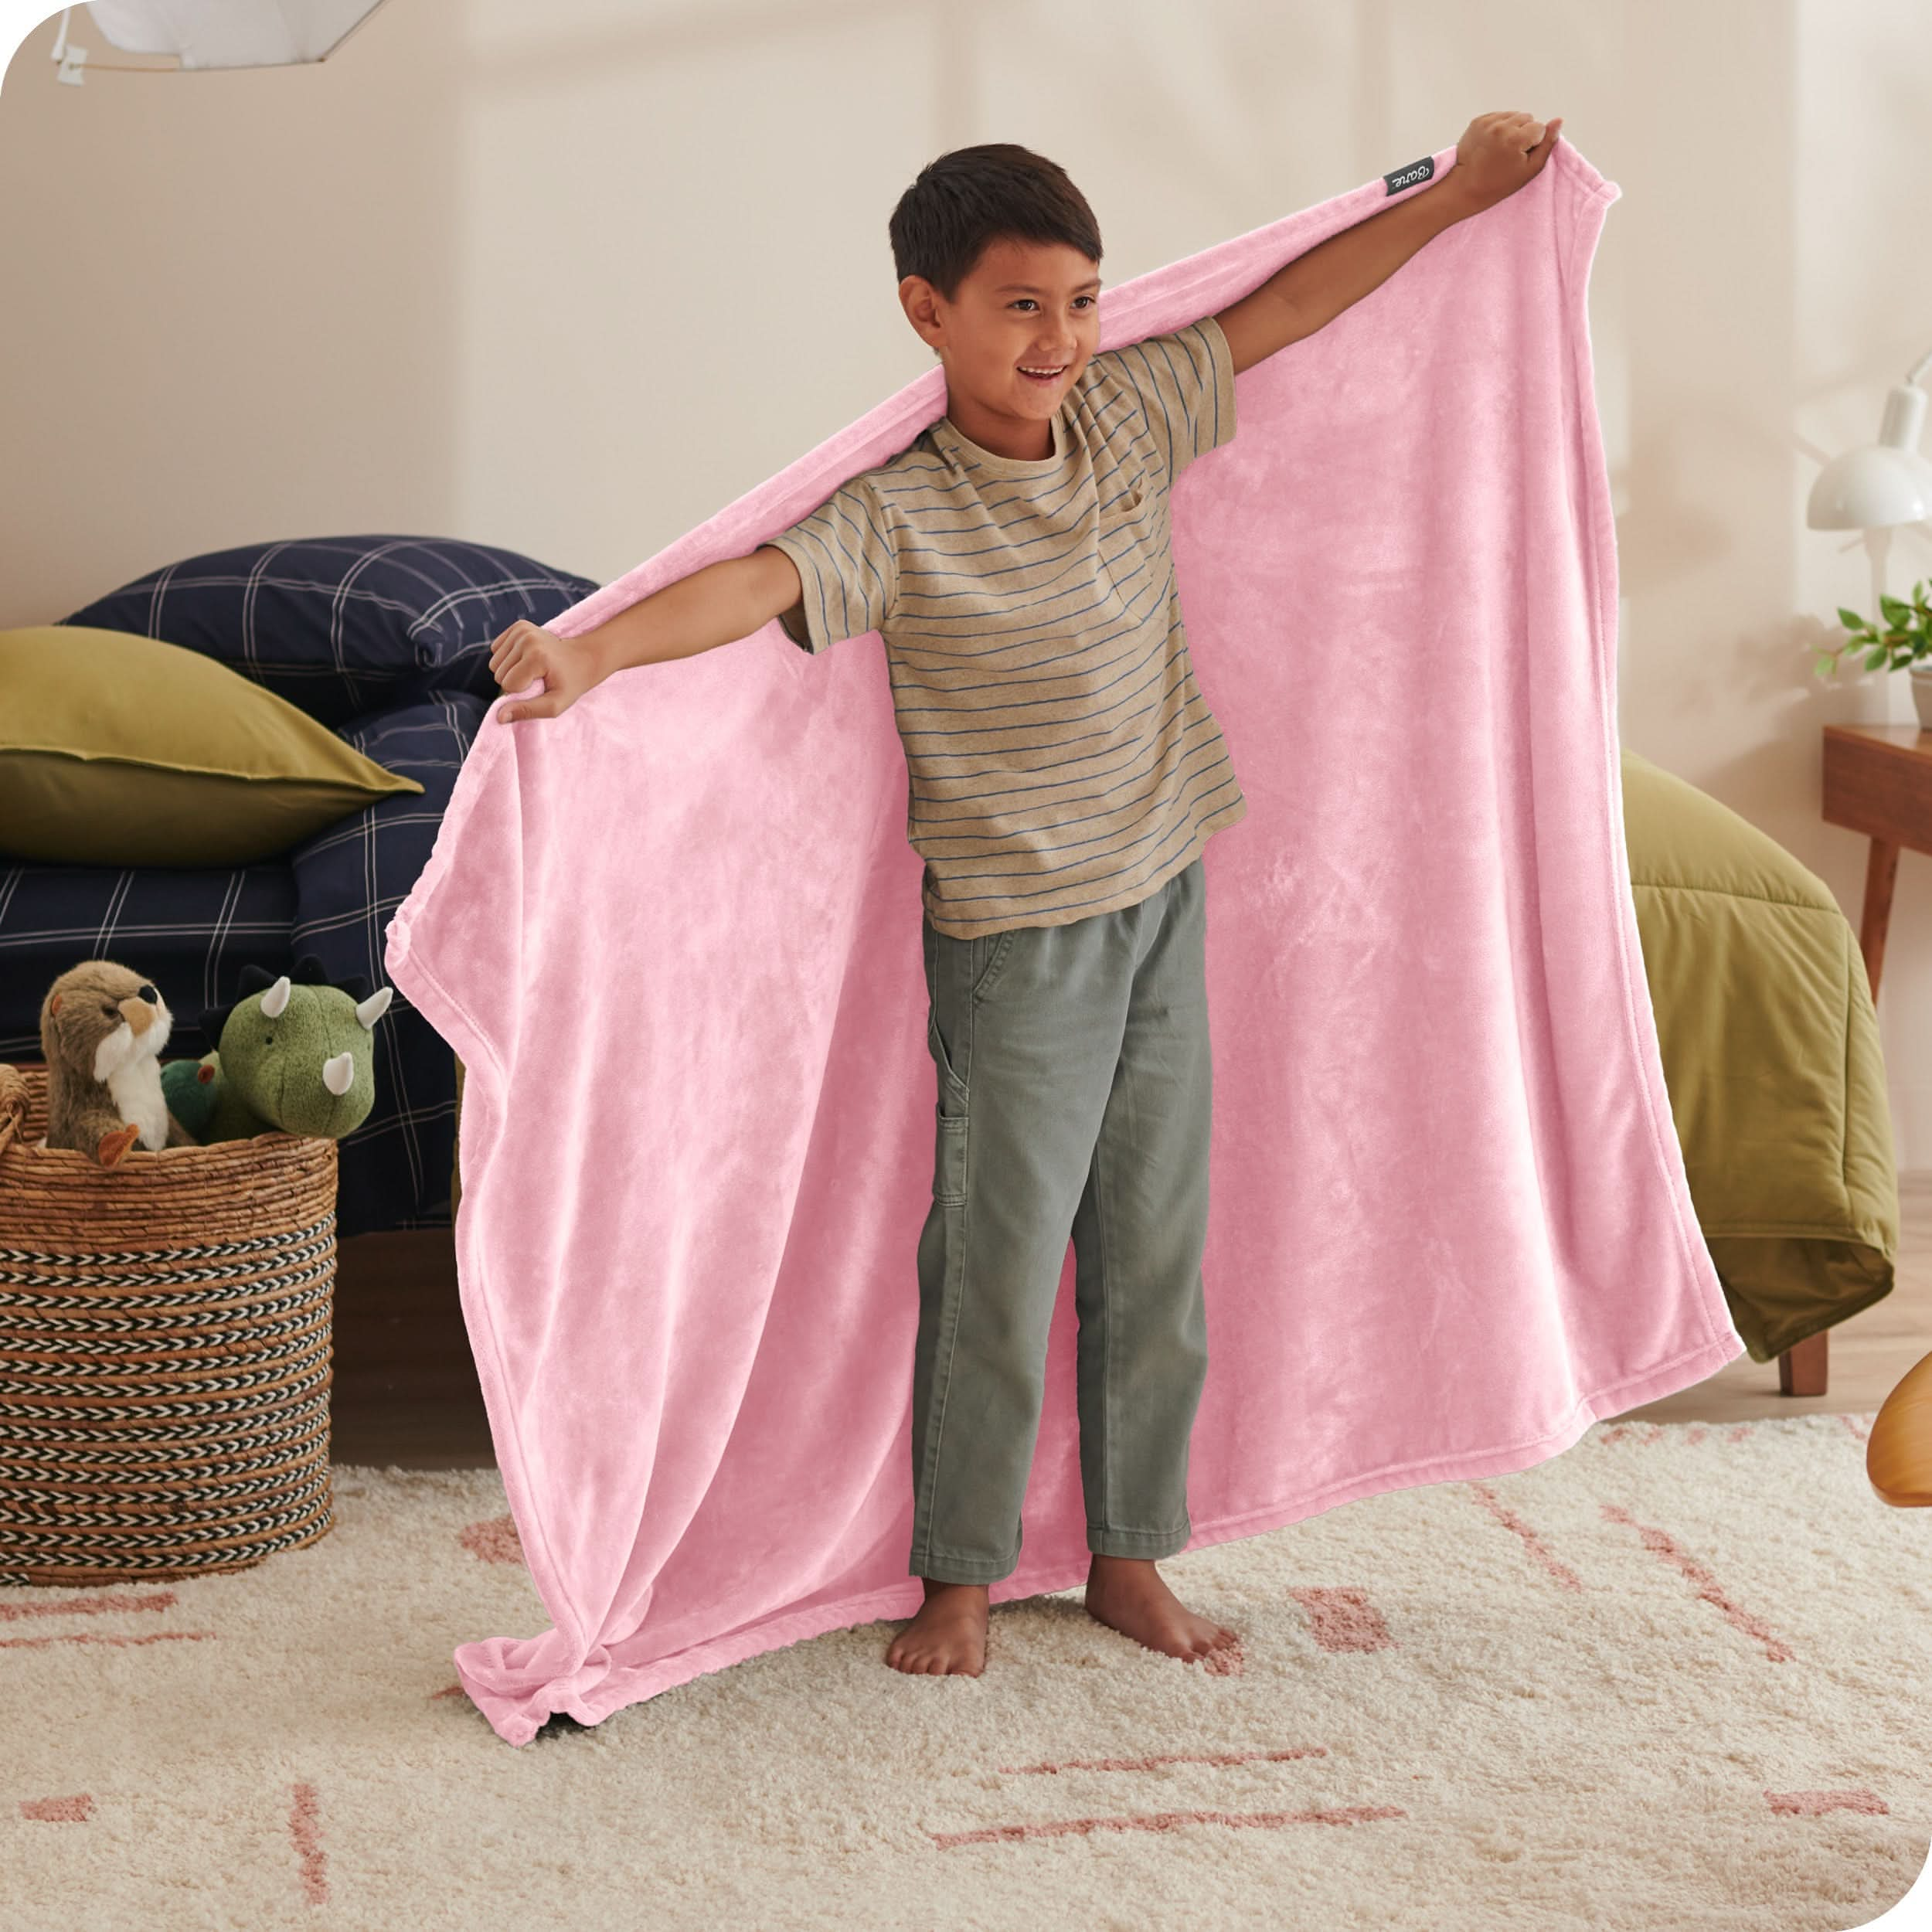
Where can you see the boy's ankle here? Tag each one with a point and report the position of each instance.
(935, 1586)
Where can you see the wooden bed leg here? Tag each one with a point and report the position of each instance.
(1804, 1368)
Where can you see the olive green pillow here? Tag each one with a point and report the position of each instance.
(117, 749)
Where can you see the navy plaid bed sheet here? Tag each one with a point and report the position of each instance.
(192, 931)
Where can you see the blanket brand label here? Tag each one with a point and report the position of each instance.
(1407, 177)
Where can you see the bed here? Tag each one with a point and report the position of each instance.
(1770, 1044)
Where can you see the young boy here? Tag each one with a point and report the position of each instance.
(1065, 774)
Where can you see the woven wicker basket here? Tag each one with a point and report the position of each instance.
(165, 1351)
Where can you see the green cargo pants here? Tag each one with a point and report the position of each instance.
(1074, 1098)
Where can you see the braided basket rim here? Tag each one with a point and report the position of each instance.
(23, 1104)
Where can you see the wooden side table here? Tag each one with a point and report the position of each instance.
(1878, 781)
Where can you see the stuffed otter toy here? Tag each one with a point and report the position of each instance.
(102, 1029)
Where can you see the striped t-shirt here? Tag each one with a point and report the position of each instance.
(1061, 760)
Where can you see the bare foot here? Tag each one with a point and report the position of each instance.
(1128, 1594)
(946, 1636)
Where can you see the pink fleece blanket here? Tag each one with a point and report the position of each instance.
(673, 936)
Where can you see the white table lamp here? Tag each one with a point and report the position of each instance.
(1884, 483)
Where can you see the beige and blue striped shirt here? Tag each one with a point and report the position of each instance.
(1061, 760)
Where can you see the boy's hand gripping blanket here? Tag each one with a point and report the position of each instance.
(673, 936)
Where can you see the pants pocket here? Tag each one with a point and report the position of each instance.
(950, 1051)
(952, 1089)
(949, 1056)
(1000, 945)
(949, 1158)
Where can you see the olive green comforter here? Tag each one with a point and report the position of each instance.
(1771, 1052)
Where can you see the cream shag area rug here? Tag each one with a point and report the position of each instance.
(1678, 1677)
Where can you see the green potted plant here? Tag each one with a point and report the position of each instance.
(1904, 642)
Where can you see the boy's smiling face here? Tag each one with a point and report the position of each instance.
(1025, 323)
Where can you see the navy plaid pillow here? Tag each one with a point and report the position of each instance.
(341, 625)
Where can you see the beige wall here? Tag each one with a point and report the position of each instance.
(570, 278)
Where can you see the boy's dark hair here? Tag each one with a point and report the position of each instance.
(974, 195)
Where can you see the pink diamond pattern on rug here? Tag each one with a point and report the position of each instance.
(493, 1540)
(75, 1810)
(1813, 1804)
(1642, 1432)
(1167, 1822)
(1169, 1758)
(1559, 1573)
(1661, 1544)
(1225, 1660)
(104, 1636)
(1344, 1619)
(304, 1827)
(102, 1603)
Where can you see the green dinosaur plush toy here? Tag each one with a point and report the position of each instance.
(297, 1056)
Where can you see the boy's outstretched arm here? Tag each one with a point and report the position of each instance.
(714, 605)
(1496, 155)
